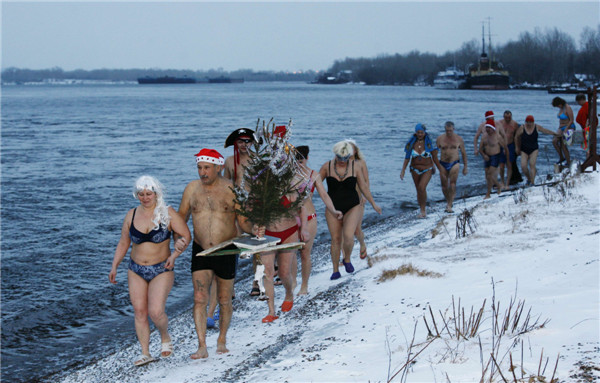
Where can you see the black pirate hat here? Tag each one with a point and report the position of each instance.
(243, 132)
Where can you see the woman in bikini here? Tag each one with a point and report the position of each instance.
(526, 145)
(422, 156)
(286, 229)
(566, 128)
(150, 275)
(311, 180)
(342, 176)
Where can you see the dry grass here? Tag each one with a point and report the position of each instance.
(440, 227)
(407, 269)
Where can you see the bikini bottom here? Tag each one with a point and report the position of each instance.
(419, 172)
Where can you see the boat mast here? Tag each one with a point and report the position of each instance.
(482, 38)
(490, 40)
(482, 45)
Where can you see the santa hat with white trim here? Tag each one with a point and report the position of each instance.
(211, 156)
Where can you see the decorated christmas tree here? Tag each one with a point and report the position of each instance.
(269, 178)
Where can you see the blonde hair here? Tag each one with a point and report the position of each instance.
(343, 149)
(161, 211)
(358, 155)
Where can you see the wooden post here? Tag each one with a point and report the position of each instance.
(593, 157)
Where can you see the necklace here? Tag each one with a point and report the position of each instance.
(338, 174)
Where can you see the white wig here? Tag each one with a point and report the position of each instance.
(161, 212)
(357, 153)
(343, 149)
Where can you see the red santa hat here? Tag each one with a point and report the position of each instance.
(490, 124)
(489, 114)
(211, 156)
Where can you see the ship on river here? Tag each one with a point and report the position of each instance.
(487, 73)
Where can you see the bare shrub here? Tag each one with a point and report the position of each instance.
(465, 224)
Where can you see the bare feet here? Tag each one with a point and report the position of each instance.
(303, 290)
(487, 196)
(202, 353)
(221, 349)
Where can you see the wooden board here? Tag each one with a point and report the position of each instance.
(245, 253)
(253, 243)
(215, 248)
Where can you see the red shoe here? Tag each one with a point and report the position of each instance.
(269, 318)
(287, 306)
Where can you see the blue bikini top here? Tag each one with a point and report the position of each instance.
(425, 154)
(155, 236)
(563, 116)
(410, 152)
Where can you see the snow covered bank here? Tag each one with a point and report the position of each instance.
(539, 247)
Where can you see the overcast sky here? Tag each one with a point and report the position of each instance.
(286, 36)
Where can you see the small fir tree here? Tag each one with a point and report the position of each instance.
(269, 177)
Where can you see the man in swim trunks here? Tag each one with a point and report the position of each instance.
(490, 148)
(210, 202)
(450, 144)
(509, 126)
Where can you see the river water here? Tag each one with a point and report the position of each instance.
(70, 155)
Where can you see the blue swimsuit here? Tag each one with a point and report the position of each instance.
(563, 116)
(449, 165)
(425, 154)
(155, 236)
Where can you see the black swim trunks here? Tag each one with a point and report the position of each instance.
(224, 266)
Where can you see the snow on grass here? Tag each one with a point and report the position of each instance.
(537, 248)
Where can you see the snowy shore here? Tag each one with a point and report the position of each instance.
(538, 248)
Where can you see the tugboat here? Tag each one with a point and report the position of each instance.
(487, 73)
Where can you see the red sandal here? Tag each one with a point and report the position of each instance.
(269, 318)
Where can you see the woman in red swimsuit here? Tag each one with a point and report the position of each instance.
(311, 180)
(285, 229)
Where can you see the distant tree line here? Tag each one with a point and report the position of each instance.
(19, 75)
(542, 57)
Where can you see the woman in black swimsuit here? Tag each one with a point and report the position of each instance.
(342, 176)
(526, 145)
(150, 275)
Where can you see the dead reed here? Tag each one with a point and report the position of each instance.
(405, 269)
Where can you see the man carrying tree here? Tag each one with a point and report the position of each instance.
(210, 201)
